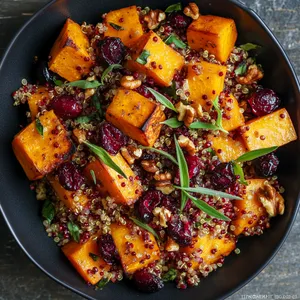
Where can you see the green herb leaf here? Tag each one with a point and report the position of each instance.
(97, 105)
(207, 208)
(103, 282)
(206, 191)
(93, 176)
(84, 84)
(173, 39)
(251, 155)
(108, 70)
(174, 7)
(238, 171)
(104, 157)
(162, 99)
(173, 123)
(48, 211)
(116, 26)
(203, 125)
(170, 275)
(84, 119)
(183, 173)
(144, 226)
(39, 127)
(219, 117)
(241, 69)
(171, 90)
(57, 82)
(249, 46)
(93, 256)
(142, 59)
(74, 231)
(166, 154)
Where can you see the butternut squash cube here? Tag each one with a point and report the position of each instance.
(206, 82)
(85, 257)
(233, 118)
(215, 34)
(226, 147)
(41, 96)
(128, 27)
(210, 249)
(124, 191)
(275, 129)
(150, 49)
(69, 56)
(122, 236)
(72, 199)
(136, 116)
(39, 155)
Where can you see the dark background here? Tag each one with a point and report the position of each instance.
(20, 279)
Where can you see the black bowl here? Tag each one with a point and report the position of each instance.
(22, 211)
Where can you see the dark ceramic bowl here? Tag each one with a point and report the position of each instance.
(22, 211)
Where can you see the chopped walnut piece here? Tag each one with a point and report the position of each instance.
(185, 143)
(163, 176)
(149, 166)
(89, 93)
(127, 156)
(171, 245)
(199, 110)
(252, 75)
(272, 201)
(79, 135)
(192, 10)
(128, 82)
(131, 153)
(163, 215)
(165, 187)
(153, 18)
(186, 113)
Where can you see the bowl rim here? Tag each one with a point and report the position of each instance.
(258, 19)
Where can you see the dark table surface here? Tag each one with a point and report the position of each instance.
(21, 279)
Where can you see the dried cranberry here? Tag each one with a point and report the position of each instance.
(144, 91)
(194, 166)
(178, 20)
(264, 102)
(66, 107)
(169, 203)
(111, 50)
(107, 248)
(180, 231)
(110, 138)
(267, 164)
(147, 203)
(70, 177)
(147, 282)
(223, 176)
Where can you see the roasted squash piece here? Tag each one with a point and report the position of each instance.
(137, 255)
(39, 155)
(153, 57)
(81, 257)
(226, 147)
(233, 117)
(125, 24)
(124, 191)
(69, 56)
(275, 129)
(41, 96)
(72, 199)
(208, 249)
(136, 116)
(215, 34)
(206, 82)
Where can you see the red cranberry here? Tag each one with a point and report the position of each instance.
(110, 138)
(111, 50)
(143, 91)
(70, 177)
(66, 107)
(169, 203)
(194, 166)
(267, 164)
(147, 282)
(178, 20)
(180, 231)
(108, 249)
(264, 102)
(223, 176)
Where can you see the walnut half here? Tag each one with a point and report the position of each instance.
(153, 18)
(252, 75)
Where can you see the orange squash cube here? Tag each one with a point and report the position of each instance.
(233, 118)
(128, 29)
(226, 147)
(73, 200)
(275, 129)
(206, 82)
(136, 116)
(39, 155)
(167, 61)
(69, 55)
(215, 34)
(40, 96)
(85, 257)
(124, 191)
(122, 235)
